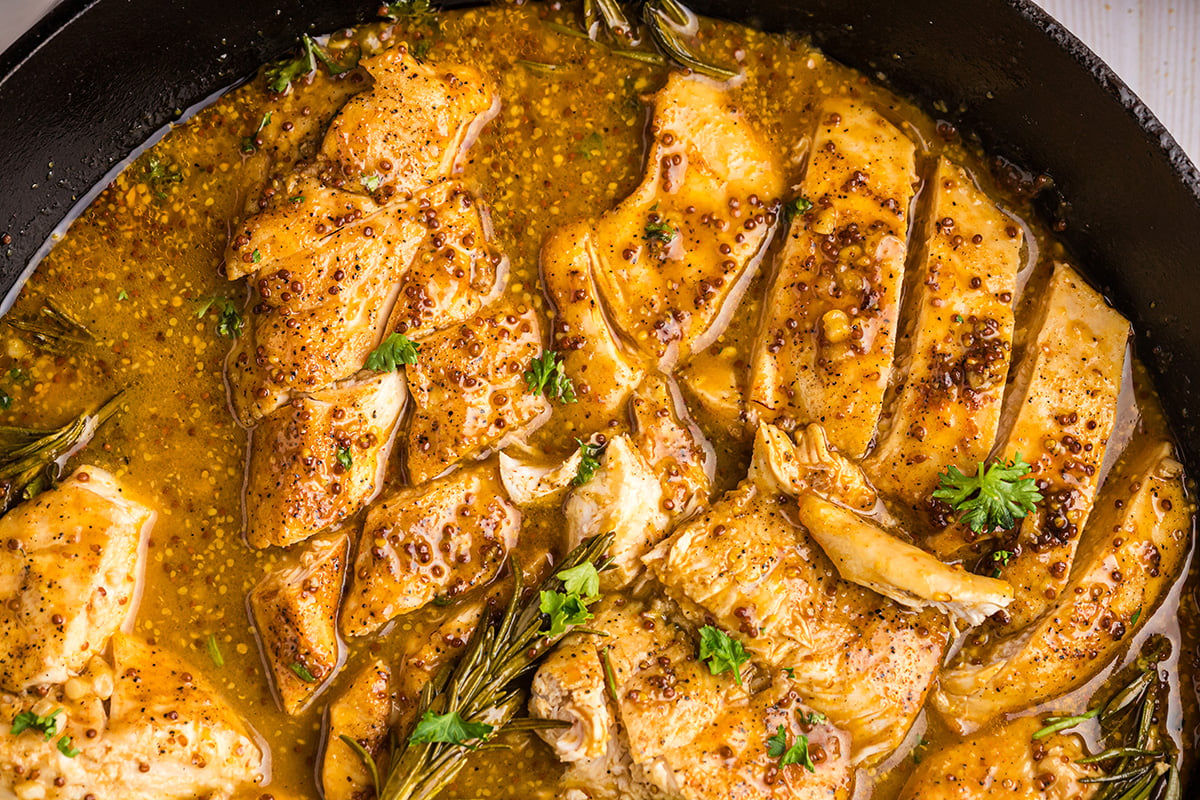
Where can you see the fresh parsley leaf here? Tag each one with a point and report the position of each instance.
(371, 182)
(564, 610)
(449, 728)
(420, 12)
(582, 580)
(1002, 556)
(592, 145)
(302, 672)
(214, 651)
(777, 747)
(588, 463)
(815, 718)
(795, 208)
(297, 199)
(345, 457)
(722, 652)
(1133, 620)
(958, 318)
(282, 74)
(659, 231)
(790, 672)
(394, 350)
(48, 725)
(6, 400)
(64, 747)
(229, 320)
(323, 55)
(994, 499)
(250, 143)
(122, 295)
(256, 256)
(546, 375)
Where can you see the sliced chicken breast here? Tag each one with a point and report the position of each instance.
(69, 576)
(829, 327)
(361, 712)
(672, 446)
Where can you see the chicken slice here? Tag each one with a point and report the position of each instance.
(295, 615)
(869, 556)
(442, 646)
(321, 458)
(438, 539)
(672, 446)
(469, 392)
(603, 369)
(673, 259)
(570, 686)
(456, 271)
(715, 381)
(855, 656)
(1059, 415)
(624, 498)
(1006, 764)
(528, 478)
(316, 316)
(830, 318)
(69, 576)
(810, 464)
(958, 345)
(171, 734)
(360, 712)
(413, 126)
(1129, 556)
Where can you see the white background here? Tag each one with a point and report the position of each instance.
(1153, 44)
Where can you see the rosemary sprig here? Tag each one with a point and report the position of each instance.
(667, 22)
(32, 458)
(479, 688)
(1139, 754)
(53, 330)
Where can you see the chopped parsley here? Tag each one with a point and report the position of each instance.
(777, 747)
(48, 725)
(566, 608)
(958, 318)
(64, 747)
(302, 672)
(1136, 616)
(659, 231)
(796, 207)
(722, 652)
(790, 672)
(250, 143)
(256, 256)
(122, 295)
(815, 718)
(345, 457)
(371, 182)
(297, 199)
(282, 74)
(229, 320)
(449, 728)
(420, 12)
(589, 462)
(994, 498)
(396, 349)
(546, 375)
(1000, 557)
(158, 174)
(591, 146)
(214, 651)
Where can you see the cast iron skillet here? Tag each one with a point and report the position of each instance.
(95, 78)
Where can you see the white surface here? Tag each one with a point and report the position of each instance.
(1154, 45)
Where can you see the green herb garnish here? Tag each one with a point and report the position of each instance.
(396, 349)
(795, 208)
(302, 672)
(229, 320)
(282, 74)
(371, 182)
(250, 143)
(547, 376)
(722, 652)
(420, 12)
(6, 400)
(48, 725)
(122, 294)
(591, 146)
(214, 651)
(64, 747)
(994, 498)
(449, 728)
(777, 747)
(568, 606)
(345, 457)
(659, 231)
(589, 462)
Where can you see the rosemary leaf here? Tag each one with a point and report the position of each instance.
(53, 330)
(662, 18)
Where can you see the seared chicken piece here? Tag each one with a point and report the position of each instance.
(321, 458)
(570, 686)
(295, 615)
(869, 556)
(745, 566)
(1058, 415)
(672, 446)
(170, 733)
(456, 271)
(809, 465)
(830, 318)
(69, 576)
(441, 538)
(528, 479)
(469, 390)
(603, 369)
(360, 712)
(1005, 764)
(683, 730)
(315, 316)
(1129, 556)
(624, 498)
(958, 345)
(671, 261)
(715, 380)
(413, 126)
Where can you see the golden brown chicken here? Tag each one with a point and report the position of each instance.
(295, 614)
(1129, 555)
(69, 576)
(831, 315)
(957, 343)
(361, 712)
(438, 539)
(672, 446)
